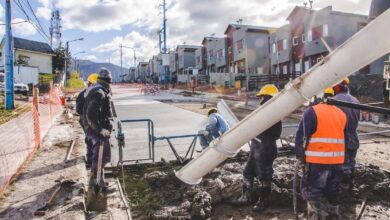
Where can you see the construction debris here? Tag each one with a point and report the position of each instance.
(155, 193)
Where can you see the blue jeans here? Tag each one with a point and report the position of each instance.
(205, 141)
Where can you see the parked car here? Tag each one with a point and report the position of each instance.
(19, 88)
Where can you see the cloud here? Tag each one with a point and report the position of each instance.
(23, 29)
(45, 10)
(144, 46)
(89, 57)
(188, 21)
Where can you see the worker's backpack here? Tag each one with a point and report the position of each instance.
(80, 102)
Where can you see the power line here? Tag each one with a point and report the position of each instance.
(19, 22)
(36, 18)
(41, 32)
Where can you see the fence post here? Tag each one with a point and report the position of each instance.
(35, 112)
(51, 99)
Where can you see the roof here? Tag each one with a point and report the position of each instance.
(36, 46)
(211, 39)
(232, 25)
(298, 9)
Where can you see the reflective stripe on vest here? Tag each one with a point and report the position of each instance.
(324, 154)
(326, 145)
(327, 140)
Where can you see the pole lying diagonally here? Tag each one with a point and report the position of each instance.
(366, 46)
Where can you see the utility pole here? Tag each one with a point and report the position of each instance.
(9, 59)
(66, 57)
(121, 59)
(164, 50)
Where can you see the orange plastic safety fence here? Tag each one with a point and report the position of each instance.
(21, 132)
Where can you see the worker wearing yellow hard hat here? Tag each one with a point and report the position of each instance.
(263, 150)
(92, 79)
(329, 92)
(216, 126)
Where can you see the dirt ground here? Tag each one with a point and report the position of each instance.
(156, 193)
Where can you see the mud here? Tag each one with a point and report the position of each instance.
(155, 193)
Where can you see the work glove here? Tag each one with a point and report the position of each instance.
(105, 133)
(205, 133)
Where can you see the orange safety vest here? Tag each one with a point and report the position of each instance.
(327, 144)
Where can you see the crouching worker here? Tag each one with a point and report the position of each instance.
(98, 118)
(80, 101)
(217, 126)
(320, 149)
(263, 151)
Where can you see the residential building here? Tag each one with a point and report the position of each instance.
(376, 9)
(215, 54)
(251, 49)
(280, 50)
(311, 33)
(200, 60)
(30, 53)
(172, 62)
(229, 38)
(186, 57)
(142, 69)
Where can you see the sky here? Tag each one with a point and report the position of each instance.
(105, 24)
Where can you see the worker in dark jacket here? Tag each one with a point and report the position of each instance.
(80, 101)
(352, 140)
(98, 119)
(263, 151)
(319, 149)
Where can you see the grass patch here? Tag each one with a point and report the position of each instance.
(8, 115)
(74, 83)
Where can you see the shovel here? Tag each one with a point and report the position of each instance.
(96, 200)
(42, 211)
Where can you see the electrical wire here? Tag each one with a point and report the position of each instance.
(41, 32)
(27, 4)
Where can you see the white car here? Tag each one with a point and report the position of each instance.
(19, 88)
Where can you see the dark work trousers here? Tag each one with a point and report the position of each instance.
(322, 181)
(350, 161)
(97, 140)
(260, 160)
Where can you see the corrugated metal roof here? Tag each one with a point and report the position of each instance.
(24, 44)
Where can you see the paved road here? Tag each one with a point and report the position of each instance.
(168, 121)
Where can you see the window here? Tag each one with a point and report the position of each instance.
(303, 38)
(220, 54)
(309, 36)
(325, 30)
(295, 40)
(239, 44)
(284, 44)
(274, 48)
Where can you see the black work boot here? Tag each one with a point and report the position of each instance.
(314, 210)
(246, 196)
(263, 201)
(333, 212)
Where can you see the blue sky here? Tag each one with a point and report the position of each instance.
(104, 24)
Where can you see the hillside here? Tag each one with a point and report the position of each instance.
(87, 67)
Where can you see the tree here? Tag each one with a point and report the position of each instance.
(59, 61)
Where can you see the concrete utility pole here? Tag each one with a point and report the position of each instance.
(9, 59)
(121, 48)
(66, 57)
(164, 50)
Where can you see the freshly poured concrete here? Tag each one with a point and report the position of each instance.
(168, 121)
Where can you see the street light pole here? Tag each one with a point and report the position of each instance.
(66, 58)
(121, 52)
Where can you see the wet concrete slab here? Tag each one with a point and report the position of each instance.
(168, 121)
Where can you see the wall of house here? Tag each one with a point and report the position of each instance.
(199, 58)
(221, 44)
(42, 61)
(258, 52)
(282, 33)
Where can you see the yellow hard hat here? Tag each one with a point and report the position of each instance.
(346, 80)
(93, 78)
(211, 110)
(268, 89)
(329, 91)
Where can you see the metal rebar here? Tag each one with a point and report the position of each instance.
(70, 149)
